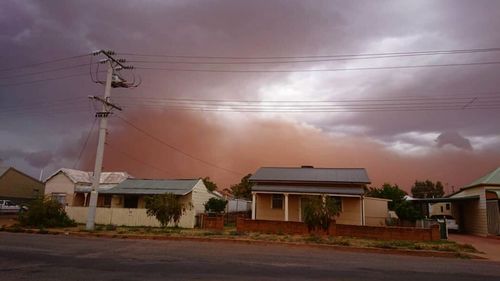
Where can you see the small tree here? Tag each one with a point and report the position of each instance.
(215, 205)
(388, 191)
(320, 211)
(45, 212)
(211, 185)
(243, 189)
(407, 211)
(427, 189)
(166, 208)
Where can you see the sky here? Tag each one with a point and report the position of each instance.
(450, 131)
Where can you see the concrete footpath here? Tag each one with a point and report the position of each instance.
(489, 246)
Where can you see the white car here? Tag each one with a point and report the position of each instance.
(451, 223)
(9, 207)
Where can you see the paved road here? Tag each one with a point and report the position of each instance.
(47, 257)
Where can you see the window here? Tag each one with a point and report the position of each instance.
(277, 201)
(338, 202)
(448, 206)
(107, 201)
(59, 197)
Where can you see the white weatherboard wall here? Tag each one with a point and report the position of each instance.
(376, 211)
(60, 183)
(475, 211)
(200, 195)
(125, 217)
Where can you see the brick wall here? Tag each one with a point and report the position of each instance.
(389, 233)
(212, 222)
(276, 227)
(375, 232)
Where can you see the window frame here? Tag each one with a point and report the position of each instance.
(277, 198)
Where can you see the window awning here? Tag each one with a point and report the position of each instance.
(308, 189)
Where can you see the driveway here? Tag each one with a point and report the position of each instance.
(490, 246)
(58, 257)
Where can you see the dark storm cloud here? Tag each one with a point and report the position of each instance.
(454, 139)
(35, 31)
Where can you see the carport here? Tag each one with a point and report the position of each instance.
(463, 208)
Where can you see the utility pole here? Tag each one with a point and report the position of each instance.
(115, 81)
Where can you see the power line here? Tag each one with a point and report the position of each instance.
(45, 71)
(91, 129)
(129, 156)
(42, 63)
(43, 80)
(434, 52)
(175, 148)
(247, 62)
(317, 70)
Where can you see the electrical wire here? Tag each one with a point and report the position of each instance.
(316, 70)
(91, 129)
(43, 80)
(119, 116)
(133, 158)
(44, 62)
(44, 71)
(433, 52)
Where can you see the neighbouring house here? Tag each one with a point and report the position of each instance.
(475, 207)
(72, 187)
(127, 202)
(18, 186)
(478, 212)
(279, 194)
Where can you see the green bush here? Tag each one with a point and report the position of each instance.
(215, 205)
(320, 211)
(45, 212)
(166, 208)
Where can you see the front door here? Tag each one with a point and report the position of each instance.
(130, 201)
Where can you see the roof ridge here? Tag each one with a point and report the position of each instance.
(491, 174)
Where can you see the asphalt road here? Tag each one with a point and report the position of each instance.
(48, 257)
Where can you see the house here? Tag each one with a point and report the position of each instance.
(127, 201)
(478, 211)
(18, 186)
(280, 193)
(72, 187)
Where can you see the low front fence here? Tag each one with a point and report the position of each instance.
(375, 232)
(214, 222)
(123, 216)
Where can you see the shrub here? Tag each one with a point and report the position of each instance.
(319, 212)
(45, 212)
(166, 208)
(215, 205)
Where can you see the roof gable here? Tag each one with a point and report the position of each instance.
(492, 178)
(78, 176)
(308, 174)
(4, 170)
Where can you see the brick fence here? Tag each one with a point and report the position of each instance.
(376, 232)
(212, 222)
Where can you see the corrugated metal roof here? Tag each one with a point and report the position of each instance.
(152, 186)
(333, 175)
(309, 189)
(78, 176)
(492, 178)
